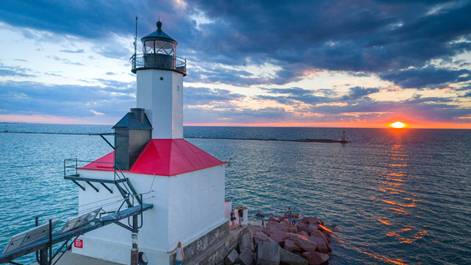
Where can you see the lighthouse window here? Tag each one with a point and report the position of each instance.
(149, 47)
(164, 47)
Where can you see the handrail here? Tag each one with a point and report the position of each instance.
(158, 61)
(57, 237)
(123, 184)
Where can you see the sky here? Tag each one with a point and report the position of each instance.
(309, 63)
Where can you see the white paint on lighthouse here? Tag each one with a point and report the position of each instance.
(160, 93)
(186, 207)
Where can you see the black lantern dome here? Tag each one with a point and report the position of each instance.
(158, 35)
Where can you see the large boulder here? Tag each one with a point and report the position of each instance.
(231, 258)
(290, 245)
(285, 221)
(303, 227)
(321, 242)
(254, 228)
(303, 242)
(259, 236)
(319, 233)
(246, 242)
(288, 258)
(278, 236)
(307, 227)
(246, 257)
(316, 258)
(268, 253)
(285, 226)
(276, 226)
(304, 233)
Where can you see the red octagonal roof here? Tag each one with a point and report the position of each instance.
(163, 157)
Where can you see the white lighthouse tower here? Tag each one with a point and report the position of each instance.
(160, 84)
(184, 183)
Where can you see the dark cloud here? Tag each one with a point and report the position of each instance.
(220, 75)
(203, 96)
(360, 92)
(90, 19)
(420, 108)
(293, 95)
(429, 100)
(112, 98)
(215, 73)
(430, 77)
(260, 115)
(358, 102)
(73, 51)
(337, 35)
(63, 100)
(296, 94)
(234, 114)
(348, 35)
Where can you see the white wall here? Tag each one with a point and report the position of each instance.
(186, 207)
(113, 242)
(162, 100)
(196, 203)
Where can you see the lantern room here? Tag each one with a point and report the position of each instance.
(158, 42)
(159, 52)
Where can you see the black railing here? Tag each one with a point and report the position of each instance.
(71, 165)
(158, 61)
(123, 184)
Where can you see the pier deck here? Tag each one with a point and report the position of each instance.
(74, 259)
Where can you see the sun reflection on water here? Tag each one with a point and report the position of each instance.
(398, 203)
(394, 193)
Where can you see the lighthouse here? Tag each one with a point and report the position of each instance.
(185, 184)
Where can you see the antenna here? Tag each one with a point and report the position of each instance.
(134, 57)
(135, 39)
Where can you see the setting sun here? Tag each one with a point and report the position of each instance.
(398, 125)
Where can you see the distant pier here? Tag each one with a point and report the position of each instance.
(304, 140)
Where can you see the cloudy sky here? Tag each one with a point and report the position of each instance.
(261, 63)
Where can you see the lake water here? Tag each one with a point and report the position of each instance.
(392, 196)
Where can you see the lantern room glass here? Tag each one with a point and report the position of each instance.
(159, 47)
(158, 52)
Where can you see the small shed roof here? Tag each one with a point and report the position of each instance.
(131, 122)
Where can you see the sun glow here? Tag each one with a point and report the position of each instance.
(397, 125)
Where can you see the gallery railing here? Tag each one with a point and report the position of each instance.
(158, 61)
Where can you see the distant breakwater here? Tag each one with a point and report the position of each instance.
(305, 140)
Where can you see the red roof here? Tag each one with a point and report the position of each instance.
(163, 157)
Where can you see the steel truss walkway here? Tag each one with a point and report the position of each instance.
(42, 239)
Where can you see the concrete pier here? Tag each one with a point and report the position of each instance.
(74, 259)
(210, 249)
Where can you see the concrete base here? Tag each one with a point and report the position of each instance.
(70, 258)
(215, 253)
(209, 249)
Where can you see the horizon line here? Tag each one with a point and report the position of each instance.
(253, 125)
